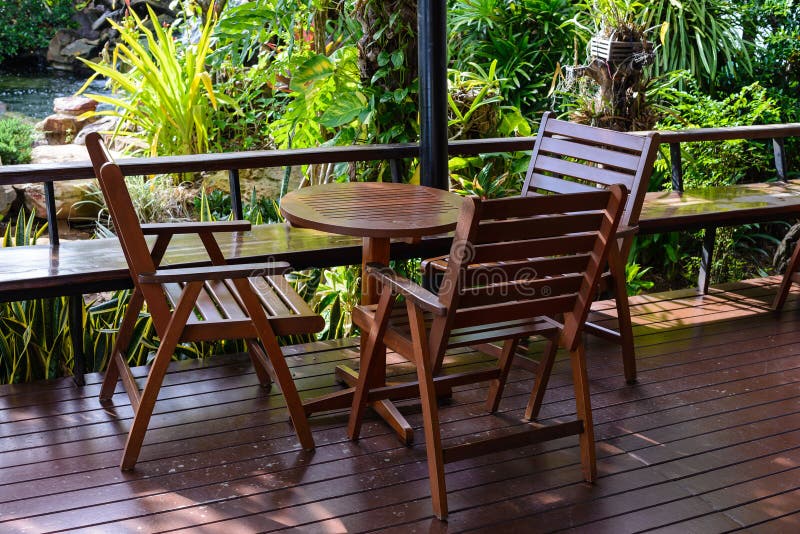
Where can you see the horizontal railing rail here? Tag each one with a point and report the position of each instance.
(233, 162)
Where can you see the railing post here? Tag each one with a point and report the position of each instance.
(706, 257)
(75, 315)
(394, 167)
(780, 157)
(677, 167)
(52, 216)
(236, 194)
(432, 60)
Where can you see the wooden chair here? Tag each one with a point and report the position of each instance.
(220, 301)
(515, 264)
(573, 158)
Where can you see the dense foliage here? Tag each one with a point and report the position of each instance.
(28, 25)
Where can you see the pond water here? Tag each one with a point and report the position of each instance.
(32, 93)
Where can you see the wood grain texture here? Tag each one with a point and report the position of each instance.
(368, 209)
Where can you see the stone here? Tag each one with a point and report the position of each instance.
(69, 197)
(7, 197)
(103, 19)
(60, 129)
(58, 153)
(73, 105)
(69, 193)
(61, 39)
(157, 5)
(83, 47)
(103, 125)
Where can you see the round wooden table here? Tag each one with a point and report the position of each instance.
(375, 211)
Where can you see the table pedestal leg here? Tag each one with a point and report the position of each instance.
(374, 250)
(385, 408)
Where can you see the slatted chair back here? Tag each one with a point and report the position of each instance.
(520, 257)
(120, 207)
(573, 158)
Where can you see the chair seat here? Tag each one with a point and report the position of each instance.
(219, 302)
(398, 328)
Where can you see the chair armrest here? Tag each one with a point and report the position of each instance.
(419, 295)
(195, 227)
(215, 272)
(627, 231)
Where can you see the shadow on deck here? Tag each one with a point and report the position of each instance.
(708, 440)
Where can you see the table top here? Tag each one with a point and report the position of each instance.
(373, 209)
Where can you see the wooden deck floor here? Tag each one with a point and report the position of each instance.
(707, 441)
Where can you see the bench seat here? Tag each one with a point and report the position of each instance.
(78, 267)
(668, 211)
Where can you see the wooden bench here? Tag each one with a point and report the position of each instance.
(79, 267)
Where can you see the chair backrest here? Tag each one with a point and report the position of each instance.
(571, 158)
(120, 206)
(126, 224)
(522, 257)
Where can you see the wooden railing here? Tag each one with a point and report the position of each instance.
(233, 162)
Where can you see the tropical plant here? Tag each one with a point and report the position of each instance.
(162, 92)
(635, 282)
(216, 206)
(701, 36)
(526, 38)
(338, 293)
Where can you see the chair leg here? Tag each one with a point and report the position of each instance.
(542, 377)
(497, 385)
(786, 283)
(366, 370)
(430, 411)
(124, 336)
(584, 412)
(155, 376)
(260, 363)
(282, 373)
(617, 266)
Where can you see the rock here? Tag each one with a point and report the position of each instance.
(68, 192)
(85, 22)
(266, 181)
(7, 197)
(61, 39)
(140, 6)
(102, 126)
(73, 105)
(58, 154)
(60, 129)
(103, 19)
(68, 195)
(84, 48)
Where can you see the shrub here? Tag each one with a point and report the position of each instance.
(16, 138)
(729, 162)
(28, 25)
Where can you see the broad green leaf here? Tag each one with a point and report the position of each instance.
(315, 68)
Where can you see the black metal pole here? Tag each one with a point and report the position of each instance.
(432, 42)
